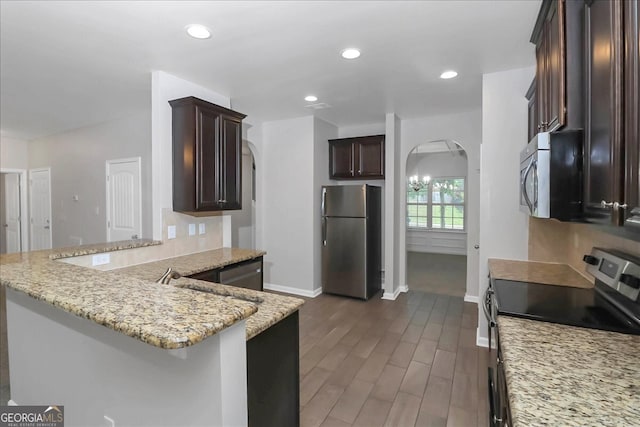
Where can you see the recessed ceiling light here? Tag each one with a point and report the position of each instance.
(311, 98)
(198, 31)
(350, 53)
(448, 74)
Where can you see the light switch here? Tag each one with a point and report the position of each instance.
(201, 228)
(171, 232)
(192, 229)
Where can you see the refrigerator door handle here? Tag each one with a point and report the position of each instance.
(324, 198)
(324, 231)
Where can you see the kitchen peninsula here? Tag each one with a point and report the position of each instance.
(169, 355)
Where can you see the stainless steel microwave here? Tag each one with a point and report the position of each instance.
(551, 176)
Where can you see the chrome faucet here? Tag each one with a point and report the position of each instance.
(168, 275)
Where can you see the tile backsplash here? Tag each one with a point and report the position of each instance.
(566, 242)
(183, 244)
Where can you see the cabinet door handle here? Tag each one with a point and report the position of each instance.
(222, 201)
(606, 204)
(617, 206)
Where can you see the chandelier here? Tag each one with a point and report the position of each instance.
(417, 184)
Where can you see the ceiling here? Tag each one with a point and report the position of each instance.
(69, 64)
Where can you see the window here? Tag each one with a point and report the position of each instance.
(438, 205)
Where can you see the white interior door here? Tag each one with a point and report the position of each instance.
(11, 225)
(40, 206)
(124, 203)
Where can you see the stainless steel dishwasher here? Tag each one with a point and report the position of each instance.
(246, 274)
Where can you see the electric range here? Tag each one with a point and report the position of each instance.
(611, 305)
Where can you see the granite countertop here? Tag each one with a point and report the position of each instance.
(190, 264)
(165, 316)
(570, 376)
(101, 247)
(271, 307)
(537, 272)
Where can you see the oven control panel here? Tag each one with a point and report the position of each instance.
(615, 269)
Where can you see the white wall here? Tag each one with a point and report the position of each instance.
(362, 130)
(503, 229)
(465, 129)
(393, 284)
(77, 160)
(443, 164)
(288, 200)
(165, 87)
(14, 153)
(322, 132)
(242, 221)
(292, 165)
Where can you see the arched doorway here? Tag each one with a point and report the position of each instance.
(436, 218)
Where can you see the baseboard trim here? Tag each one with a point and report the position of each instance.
(482, 341)
(391, 296)
(471, 298)
(293, 291)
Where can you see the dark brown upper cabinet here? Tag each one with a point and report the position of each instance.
(357, 158)
(558, 37)
(631, 130)
(550, 70)
(612, 110)
(532, 111)
(207, 157)
(604, 152)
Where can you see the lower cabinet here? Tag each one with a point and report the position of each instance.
(273, 375)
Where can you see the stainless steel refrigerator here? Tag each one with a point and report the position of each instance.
(351, 240)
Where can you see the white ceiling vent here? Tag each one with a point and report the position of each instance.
(318, 106)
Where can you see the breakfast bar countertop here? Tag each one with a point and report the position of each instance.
(546, 273)
(271, 307)
(570, 376)
(130, 302)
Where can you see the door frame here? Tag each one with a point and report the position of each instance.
(48, 169)
(107, 163)
(24, 206)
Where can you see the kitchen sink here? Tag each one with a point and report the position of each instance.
(254, 300)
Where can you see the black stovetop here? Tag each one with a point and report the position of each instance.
(559, 304)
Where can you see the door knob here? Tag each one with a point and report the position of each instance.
(476, 246)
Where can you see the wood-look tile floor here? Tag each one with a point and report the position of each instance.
(408, 362)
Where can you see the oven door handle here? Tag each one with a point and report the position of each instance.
(524, 185)
(494, 421)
